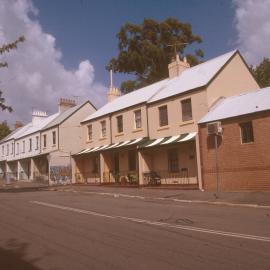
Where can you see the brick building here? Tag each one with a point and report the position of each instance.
(242, 148)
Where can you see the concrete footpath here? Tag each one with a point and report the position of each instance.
(247, 199)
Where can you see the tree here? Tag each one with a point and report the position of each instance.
(4, 130)
(6, 48)
(262, 73)
(145, 50)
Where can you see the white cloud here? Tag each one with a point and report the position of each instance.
(35, 77)
(253, 27)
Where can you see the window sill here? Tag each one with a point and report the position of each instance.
(184, 123)
(102, 138)
(119, 134)
(54, 145)
(163, 128)
(137, 130)
(89, 141)
(247, 143)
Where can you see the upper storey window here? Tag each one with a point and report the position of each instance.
(163, 116)
(186, 109)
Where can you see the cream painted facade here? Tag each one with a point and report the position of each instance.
(33, 159)
(232, 79)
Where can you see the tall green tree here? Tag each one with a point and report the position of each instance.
(262, 73)
(4, 130)
(146, 49)
(5, 49)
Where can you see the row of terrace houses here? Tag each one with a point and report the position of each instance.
(42, 149)
(151, 135)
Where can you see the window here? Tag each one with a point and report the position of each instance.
(37, 140)
(173, 160)
(90, 132)
(54, 138)
(132, 161)
(7, 149)
(44, 141)
(138, 119)
(163, 116)
(119, 120)
(18, 149)
(186, 110)
(3, 150)
(12, 146)
(23, 146)
(246, 132)
(103, 128)
(30, 145)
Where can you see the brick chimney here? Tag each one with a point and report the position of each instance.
(18, 124)
(65, 104)
(37, 116)
(177, 66)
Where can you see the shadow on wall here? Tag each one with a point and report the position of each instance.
(13, 257)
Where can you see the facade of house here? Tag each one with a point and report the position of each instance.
(151, 134)
(241, 160)
(42, 149)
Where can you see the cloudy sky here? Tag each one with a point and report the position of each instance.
(69, 42)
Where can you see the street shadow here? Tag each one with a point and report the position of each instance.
(13, 257)
(22, 189)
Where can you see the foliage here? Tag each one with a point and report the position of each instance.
(262, 73)
(4, 130)
(7, 48)
(145, 50)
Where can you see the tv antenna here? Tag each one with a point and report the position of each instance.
(175, 45)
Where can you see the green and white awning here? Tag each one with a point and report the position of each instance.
(112, 146)
(168, 140)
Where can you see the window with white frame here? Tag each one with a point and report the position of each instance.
(23, 146)
(89, 132)
(186, 109)
(54, 138)
(163, 116)
(44, 140)
(30, 144)
(103, 128)
(119, 120)
(138, 119)
(246, 132)
(18, 149)
(37, 142)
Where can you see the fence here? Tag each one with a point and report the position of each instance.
(121, 177)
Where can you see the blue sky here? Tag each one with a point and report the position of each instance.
(87, 29)
(69, 42)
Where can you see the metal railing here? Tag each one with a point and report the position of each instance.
(121, 177)
(157, 177)
(87, 178)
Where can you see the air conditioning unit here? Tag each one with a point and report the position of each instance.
(214, 128)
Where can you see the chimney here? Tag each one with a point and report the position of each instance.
(37, 116)
(65, 104)
(18, 124)
(177, 66)
(113, 92)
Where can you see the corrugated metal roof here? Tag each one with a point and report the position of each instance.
(136, 97)
(63, 116)
(250, 102)
(191, 78)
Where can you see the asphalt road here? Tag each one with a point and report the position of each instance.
(65, 230)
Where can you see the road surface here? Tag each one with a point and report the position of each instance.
(66, 230)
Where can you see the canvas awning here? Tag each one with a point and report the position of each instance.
(112, 146)
(168, 140)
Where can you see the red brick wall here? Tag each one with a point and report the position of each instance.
(241, 166)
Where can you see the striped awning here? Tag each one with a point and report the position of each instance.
(112, 146)
(168, 140)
